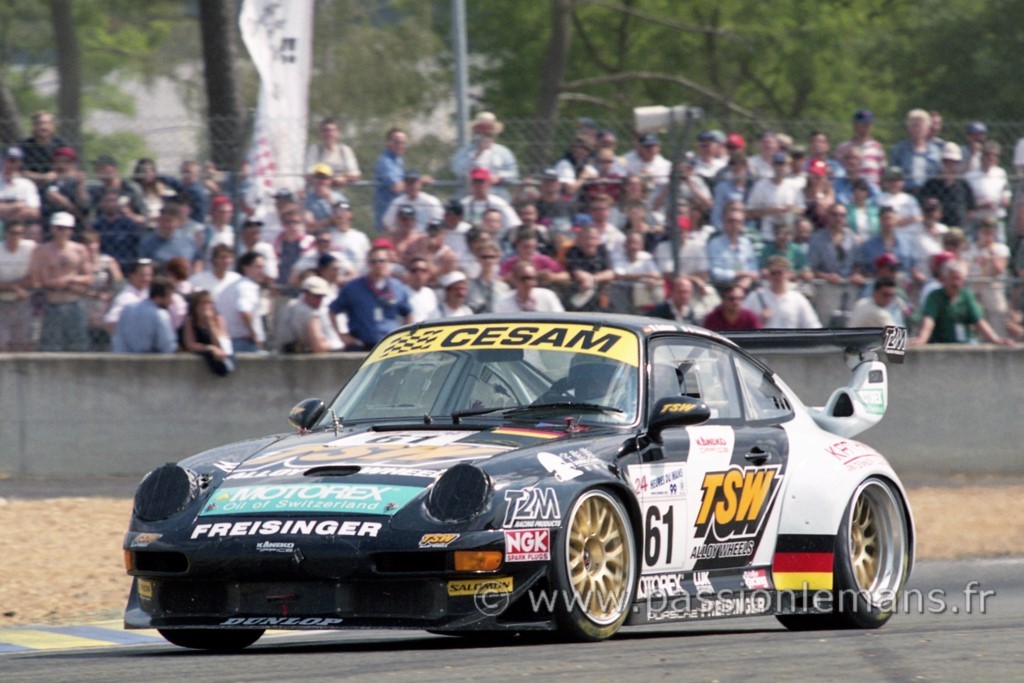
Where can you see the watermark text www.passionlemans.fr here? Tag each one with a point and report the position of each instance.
(492, 599)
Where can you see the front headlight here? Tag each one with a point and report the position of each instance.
(459, 494)
(165, 491)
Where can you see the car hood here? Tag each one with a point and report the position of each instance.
(418, 452)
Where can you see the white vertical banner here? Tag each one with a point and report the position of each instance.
(279, 37)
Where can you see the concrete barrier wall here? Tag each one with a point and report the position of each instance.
(952, 410)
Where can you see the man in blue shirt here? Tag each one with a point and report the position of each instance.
(389, 174)
(145, 327)
(168, 241)
(375, 304)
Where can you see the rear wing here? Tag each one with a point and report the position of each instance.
(860, 404)
(883, 343)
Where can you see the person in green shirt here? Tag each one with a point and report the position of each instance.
(952, 314)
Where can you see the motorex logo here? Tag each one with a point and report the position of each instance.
(327, 499)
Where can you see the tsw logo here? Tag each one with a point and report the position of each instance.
(532, 506)
(735, 502)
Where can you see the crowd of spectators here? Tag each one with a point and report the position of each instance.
(787, 235)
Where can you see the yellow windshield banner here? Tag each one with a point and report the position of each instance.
(599, 340)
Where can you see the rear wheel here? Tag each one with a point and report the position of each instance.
(595, 568)
(211, 639)
(870, 562)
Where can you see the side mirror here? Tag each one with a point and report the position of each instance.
(676, 412)
(306, 413)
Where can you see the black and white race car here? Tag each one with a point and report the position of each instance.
(573, 473)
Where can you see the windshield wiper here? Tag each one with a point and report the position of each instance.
(561, 404)
(459, 414)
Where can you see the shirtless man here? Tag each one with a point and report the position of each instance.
(61, 268)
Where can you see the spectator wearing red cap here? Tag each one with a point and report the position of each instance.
(819, 194)
(68, 190)
(480, 199)
(39, 148)
(818, 150)
(872, 152)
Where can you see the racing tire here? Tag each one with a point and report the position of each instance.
(211, 639)
(595, 568)
(870, 565)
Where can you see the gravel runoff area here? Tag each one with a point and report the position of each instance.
(62, 561)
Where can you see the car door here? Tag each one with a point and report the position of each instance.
(707, 491)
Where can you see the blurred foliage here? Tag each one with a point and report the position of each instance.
(793, 64)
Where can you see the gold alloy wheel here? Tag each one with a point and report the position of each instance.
(877, 541)
(600, 557)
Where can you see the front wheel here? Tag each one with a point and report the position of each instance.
(211, 639)
(595, 568)
(871, 562)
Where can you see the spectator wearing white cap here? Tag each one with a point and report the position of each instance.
(19, 198)
(952, 191)
(300, 327)
(484, 152)
(61, 268)
(454, 290)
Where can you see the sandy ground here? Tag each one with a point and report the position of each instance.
(61, 559)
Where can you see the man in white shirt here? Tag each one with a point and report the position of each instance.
(481, 199)
(527, 296)
(135, 289)
(778, 305)
(775, 200)
(422, 297)
(220, 275)
(991, 188)
(455, 289)
(428, 207)
(645, 159)
(15, 285)
(239, 303)
(19, 197)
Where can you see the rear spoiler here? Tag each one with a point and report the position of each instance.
(886, 343)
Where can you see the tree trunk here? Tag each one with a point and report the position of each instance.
(225, 117)
(555, 63)
(69, 72)
(10, 116)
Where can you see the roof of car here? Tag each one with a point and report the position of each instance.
(642, 325)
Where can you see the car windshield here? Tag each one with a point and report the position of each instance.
(516, 371)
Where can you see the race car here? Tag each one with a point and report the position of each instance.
(571, 473)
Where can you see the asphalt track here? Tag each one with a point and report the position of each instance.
(952, 636)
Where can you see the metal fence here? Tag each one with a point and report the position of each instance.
(536, 145)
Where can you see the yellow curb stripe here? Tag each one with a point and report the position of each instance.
(44, 640)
